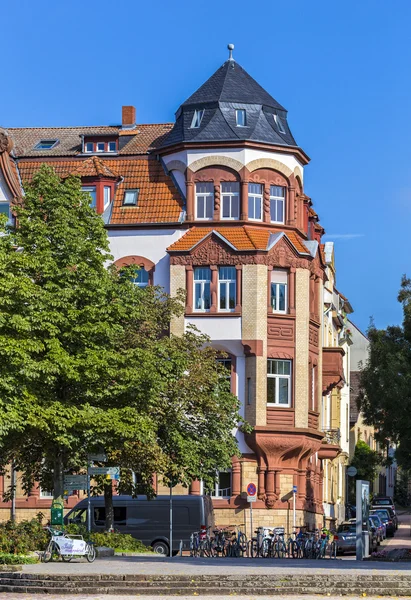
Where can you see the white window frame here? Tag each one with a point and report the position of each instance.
(279, 123)
(141, 284)
(103, 144)
(241, 111)
(89, 189)
(274, 198)
(53, 144)
(197, 118)
(107, 191)
(226, 283)
(202, 283)
(279, 277)
(92, 147)
(208, 197)
(255, 197)
(109, 149)
(135, 193)
(217, 492)
(232, 197)
(46, 493)
(277, 378)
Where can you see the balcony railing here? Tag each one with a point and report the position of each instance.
(331, 436)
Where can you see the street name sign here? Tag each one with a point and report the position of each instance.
(77, 482)
(114, 472)
(97, 457)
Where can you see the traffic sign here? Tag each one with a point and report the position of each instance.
(97, 457)
(114, 472)
(251, 489)
(294, 489)
(75, 480)
(351, 471)
(251, 498)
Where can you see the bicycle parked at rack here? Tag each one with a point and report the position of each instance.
(237, 546)
(67, 546)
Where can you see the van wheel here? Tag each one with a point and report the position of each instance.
(161, 548)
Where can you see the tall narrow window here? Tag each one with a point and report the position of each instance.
(226, 363)
(5, 210)
(202, 283)
(222, 487)
(249, 399)
(91, 191)
(107, 196)
(255, 201)
(279, 290)
(141, 278)
(279, 382)
(227, 288)
(313, 375)
(230, 200)
(279, 124)
(197, 118)
(277, 202)
(240, 117)
(204, 200)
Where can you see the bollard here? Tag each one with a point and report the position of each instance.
(180, 549)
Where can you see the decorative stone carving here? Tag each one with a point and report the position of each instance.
(278, 331)
(313, 336)
(208, 161)
(268, 163)
(6, 143)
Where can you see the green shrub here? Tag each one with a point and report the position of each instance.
(16, 559)
(24, 537)
(116, 540)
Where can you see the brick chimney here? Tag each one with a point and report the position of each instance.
(128, 116)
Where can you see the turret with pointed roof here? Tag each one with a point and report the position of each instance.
(228, 90)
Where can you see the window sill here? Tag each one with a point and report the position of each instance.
(281, 406)
(212, 314)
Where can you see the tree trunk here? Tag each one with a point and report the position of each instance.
(108, 503)
(58, 476)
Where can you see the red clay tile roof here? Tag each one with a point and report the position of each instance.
(140, 140)
(242, 238)
(158, 200)
(93, 167)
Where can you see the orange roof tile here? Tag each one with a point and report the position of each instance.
(242, 238)
(93, 167)
(158, 200)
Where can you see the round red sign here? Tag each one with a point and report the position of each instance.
(251, 489)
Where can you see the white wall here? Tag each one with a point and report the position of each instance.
(359, 349)
(148, 243)
(242, 155)
(218, 328)
(5, 195)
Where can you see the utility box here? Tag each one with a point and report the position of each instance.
(57, 514)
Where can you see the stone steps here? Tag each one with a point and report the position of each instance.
(384, 584)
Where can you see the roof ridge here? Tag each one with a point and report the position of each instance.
(84, 126)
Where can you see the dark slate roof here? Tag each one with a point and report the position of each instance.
(231, 88)
(231, 83)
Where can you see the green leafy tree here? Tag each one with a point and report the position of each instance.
(86, 362)
(385, 397)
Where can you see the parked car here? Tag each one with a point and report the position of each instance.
(383, 502)
(380, 526)
(372, 533)
(391, 512)
(346, 541)
(149, 520)
(386, 518)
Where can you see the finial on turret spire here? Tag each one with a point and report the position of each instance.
(230, 49)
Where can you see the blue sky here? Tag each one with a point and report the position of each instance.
(342, 69)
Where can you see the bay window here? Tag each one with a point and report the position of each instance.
(202, 294)
(107, 196)
(230, 200)
(5, 210)
(227, 288)
(277, 203)
(204, 200)
(255, 201)
(279, 291)
(279, 382)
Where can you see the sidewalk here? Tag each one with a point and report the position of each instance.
(402, 538)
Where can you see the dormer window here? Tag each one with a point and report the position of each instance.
(89, 147)
(91, 191)
(112, 147)
(240, 117)
(279, 124)
(101, 146)
(46, 144)
(130, 197)
(197, 118)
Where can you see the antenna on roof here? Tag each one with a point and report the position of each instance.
(230, 49)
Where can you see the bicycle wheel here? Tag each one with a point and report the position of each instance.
(242, 544)
(280, 549)
(91, 553)
(67, 557)
(294, 550)
(333, 550)
(51, 553)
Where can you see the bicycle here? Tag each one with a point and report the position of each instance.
(238, 544)
(67, 546)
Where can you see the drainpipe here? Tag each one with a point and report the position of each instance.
(13, 492)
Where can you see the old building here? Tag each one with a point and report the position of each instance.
(215, 204)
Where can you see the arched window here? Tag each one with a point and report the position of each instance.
(141, 277)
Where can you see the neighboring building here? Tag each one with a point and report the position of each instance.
(336, 401)
(215, 204)
(385, 482)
